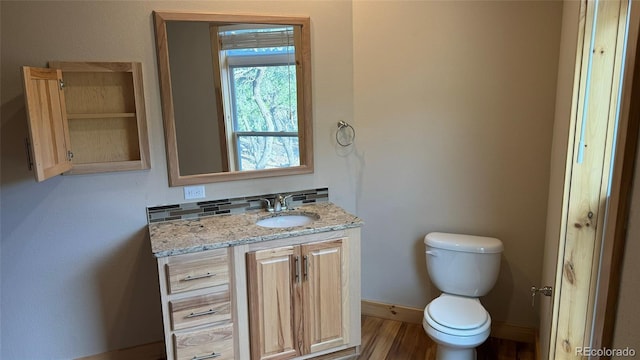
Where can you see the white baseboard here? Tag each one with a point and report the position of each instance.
(499, 329)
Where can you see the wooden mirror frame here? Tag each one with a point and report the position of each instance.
(305, 131)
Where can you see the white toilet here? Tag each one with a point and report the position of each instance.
(463, 267)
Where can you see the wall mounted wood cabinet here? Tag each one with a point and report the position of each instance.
(86, 117)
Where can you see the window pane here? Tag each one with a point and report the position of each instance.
(267, 152)
(264, 98)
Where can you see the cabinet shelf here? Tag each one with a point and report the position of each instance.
(101, 116)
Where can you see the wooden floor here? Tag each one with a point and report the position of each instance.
(394, 340)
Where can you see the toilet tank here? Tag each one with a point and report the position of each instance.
(463, 265)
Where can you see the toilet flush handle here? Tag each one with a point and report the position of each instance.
(432, 253)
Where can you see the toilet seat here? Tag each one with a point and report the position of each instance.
(457, 316)
(457, 312)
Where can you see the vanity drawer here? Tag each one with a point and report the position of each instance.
(197, 271)
(200, 310)
(211, 343)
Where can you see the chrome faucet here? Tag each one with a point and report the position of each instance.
(277, 207)
(279, 203)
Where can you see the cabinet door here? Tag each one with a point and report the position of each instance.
(273, 314)
(325, 295)
(47, 119)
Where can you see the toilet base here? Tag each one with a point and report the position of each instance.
(455, 348)
(448, 353)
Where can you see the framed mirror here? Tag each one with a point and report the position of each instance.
(236, 95)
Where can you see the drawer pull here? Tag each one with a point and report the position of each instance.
(208, 312)
(196, 277)
(212, 356)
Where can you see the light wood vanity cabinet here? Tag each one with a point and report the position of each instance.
(298, 287)
(86, 117)
(302, 296)
(290, 298)
(196, 304)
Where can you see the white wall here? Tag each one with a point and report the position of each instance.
(77, 273)
(454, 102)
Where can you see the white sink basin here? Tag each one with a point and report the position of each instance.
(287, 220)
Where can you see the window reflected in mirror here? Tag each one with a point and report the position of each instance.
(258, 67)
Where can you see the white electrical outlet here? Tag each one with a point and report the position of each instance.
(194, 192)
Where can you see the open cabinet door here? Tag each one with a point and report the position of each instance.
(47, 119)
(582, 209)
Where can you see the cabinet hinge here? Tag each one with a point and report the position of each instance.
(61, 83)
(69, 155)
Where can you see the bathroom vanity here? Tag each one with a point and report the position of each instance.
(232, 289)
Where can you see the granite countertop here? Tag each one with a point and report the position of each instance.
(206, 233)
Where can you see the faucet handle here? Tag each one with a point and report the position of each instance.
(269, 208)
(283, 201)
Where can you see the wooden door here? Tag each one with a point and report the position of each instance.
(325, 295)
(274, 318)
(568, 325)
(47, 119)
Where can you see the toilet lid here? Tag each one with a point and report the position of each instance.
(457, 312)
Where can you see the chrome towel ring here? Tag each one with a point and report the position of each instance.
(345, 134)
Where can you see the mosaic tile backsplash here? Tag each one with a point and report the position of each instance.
(231, 206)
